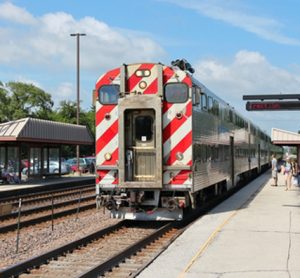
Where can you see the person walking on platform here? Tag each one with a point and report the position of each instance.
(294, 173)
(274, 171)
(288, 174)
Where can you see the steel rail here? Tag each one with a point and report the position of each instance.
(13, 199)
(22, 267)
(46, 207)
(41, 197)
(37, 220)
(19, 192)
(128, 252)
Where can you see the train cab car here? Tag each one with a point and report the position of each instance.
(164, 142)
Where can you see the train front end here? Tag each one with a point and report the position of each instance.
(144, 142)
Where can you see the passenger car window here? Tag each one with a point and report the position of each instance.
(176, 92)
(204, 101)
(109, 94)
(210, 104)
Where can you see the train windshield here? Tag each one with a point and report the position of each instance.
(176, 92)
(109, 94)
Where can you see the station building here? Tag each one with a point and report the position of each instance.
(36, 145)
(286, 138)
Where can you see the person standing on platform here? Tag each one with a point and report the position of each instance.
(288, 174)
(274, 170)
(294, 173)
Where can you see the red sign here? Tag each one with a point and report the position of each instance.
(273, 105)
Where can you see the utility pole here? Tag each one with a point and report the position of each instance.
(78, 35)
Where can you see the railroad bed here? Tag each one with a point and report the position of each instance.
(46, 206)
(100, 252)
(136, 252)
(124, 250)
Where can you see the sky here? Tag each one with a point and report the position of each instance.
(237, 47)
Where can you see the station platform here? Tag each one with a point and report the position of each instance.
(40, 184)
(254, 233)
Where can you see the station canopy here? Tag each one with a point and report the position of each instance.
(44, 131)
(285, 138)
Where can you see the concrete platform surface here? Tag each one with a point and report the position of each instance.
(255, 233)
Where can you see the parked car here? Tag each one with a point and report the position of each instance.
(92, 163)
(84, 164)
(53, 168)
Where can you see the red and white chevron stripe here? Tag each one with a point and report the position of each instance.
(133, 80)
(107, 131)
(177, 130)
(177, 133)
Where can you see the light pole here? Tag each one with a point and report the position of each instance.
(78, 35)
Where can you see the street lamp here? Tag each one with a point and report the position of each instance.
(77, 35)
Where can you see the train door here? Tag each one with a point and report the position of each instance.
(140, 142)
(140, 154)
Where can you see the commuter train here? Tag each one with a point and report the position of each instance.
(165, 143)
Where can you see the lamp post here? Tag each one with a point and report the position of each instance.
(77, 35)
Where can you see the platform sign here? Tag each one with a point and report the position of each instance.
(272, 105)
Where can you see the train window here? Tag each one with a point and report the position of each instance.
(210, 104)
(196, 95)
(109, 94)
(216, 107)
(143, 128)
(204, 101)
(176, 93)
(230, 116)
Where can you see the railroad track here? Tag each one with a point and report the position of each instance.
(122, 250)
(43, 216)
(98, 253)
(65, 199)
(45, 195)
(34, 208)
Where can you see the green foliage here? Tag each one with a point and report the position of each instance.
(21, 100)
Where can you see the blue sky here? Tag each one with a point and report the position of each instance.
(236, 47)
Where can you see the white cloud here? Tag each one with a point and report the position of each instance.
(10, 12)
(250, 73)
(233, 13)
(64, 91)
(47, 42)
(28, 81)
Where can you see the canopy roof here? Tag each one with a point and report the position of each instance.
(36, 130)
(285, 138)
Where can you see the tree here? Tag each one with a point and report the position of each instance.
(22, 100)
(4, 103)
(66, 112)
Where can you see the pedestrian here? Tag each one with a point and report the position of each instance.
(294, 173)
(288, 174)
(274, 171)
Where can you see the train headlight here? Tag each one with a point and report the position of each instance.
(143, 85)
(143, 73)
(107, 156)
(179, 156)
